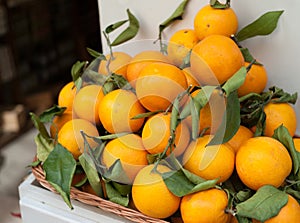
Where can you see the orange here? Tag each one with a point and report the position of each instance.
(131, 152)
(290, 213)
(209, 21)
(156, 135)
(191, 81)
(240, 137)
(86, 103)
(180, 44)
(215, 59)
(280, 114)
(116, 110)
(209, 162)
(71, 138)
(118, 64)
(140, 60)
(59, 121)
(297, 143)
(256, 80)
(150, 194)
(211, 114)
(261, 161)
(66, 96)
(158, 85)
(205, 206)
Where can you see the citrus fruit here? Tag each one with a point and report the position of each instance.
(86, 103)
(180, 44)
(158, 85)
(209, 21)
(156, 135)
(150, 194)
(59, 121)
(71, 138)
(240, 137)
(118, 64)
(256, 80)
(140, 60)
(131, 152)
(215, 59)
(297, 143)
(290, 213)
(117, 109)
(261, 161)
(280, 114)
(66, 96)
(209, 162)
(191, 81)
(205, 206)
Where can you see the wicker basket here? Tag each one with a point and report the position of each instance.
(96, 201)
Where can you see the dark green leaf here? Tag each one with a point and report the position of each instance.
(49, 114)
(243, 219)
(278, 95)
(99, 139)
(40, 126)
(218, 5)
(176, 15)
(116, 173)
(59, 169)
(147, 114)
(115, 26)
(230, 123)
(115, 196)
(123, 189)
(95, 54)
(129, 32)
(282, 135)
(77, 70)
(195, 114)
(264, 204)
(247, 56)
(44, 147)
(264, 25)
(233, 83)
(91, 172)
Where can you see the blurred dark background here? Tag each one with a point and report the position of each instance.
(40, 40)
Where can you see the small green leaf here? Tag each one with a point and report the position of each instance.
(40, 126)
(44, 147)
(95, 54)
(49, 114)
(115, 26)
(230, 122)
(147, 114)
(247, 56)
(115, 196)
(264, 204)
(129, 32)
(218, 5)
(176, 15)
(76, 72)
(91, 172)
(195, 114)
(59, 169)
(116, 173)
(282, 135)
(237, 80)
(264, 25)
(278, 95)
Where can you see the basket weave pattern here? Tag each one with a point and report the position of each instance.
(96, 201)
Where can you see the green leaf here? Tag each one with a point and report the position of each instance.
(147, 114)
(264, 25)
(44, 147)
(264, 204)
(76, 72)
(230, 122)
(278, 95)
(282, 135)
(40, 126)
(116, 173)
(49, 114)
(247, 56)
(91, 172)
(237, 80)
(59, 169)
(129, 32)
(218, 5)
(195, 114)
(176, 15)
(115, 196)
(95, 54)
(115, 26)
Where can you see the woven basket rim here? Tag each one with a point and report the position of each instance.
(93, 200)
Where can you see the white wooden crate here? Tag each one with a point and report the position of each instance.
(40, 205)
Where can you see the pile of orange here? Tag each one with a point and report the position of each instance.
(156, 79)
